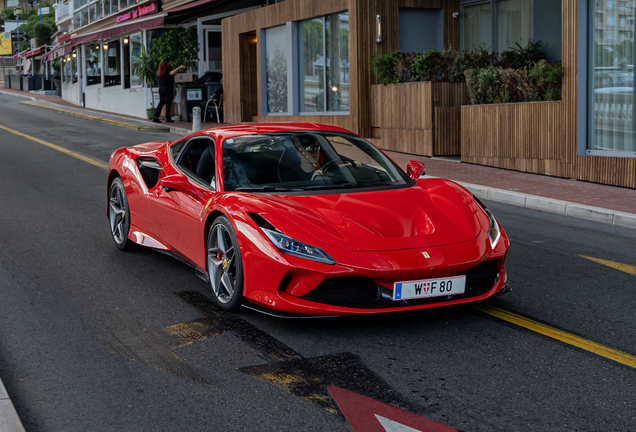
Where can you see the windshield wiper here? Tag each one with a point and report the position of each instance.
(266, 189)
(333, 186)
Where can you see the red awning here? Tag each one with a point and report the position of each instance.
(59, 52)
(64, 38)
(36, 51)
(189, 6)
(112, 32)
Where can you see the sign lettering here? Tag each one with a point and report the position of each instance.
(137, 12)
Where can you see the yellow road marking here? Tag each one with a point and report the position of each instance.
(568, 338)
(119, 123)
(629, 269)
(58, 148)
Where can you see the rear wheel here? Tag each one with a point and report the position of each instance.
(119, 214)
(225, 266)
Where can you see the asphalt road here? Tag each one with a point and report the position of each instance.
(93, 339)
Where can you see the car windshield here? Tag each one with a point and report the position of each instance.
(306, 161)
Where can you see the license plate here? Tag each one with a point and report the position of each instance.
(427, 288)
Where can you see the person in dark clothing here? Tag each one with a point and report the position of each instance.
(166, 89)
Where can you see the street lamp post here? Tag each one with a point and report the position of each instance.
(17, 12)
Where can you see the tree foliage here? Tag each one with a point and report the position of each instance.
(41, 31)
(178, 46)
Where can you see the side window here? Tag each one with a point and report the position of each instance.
(198, 158)
(175, 149)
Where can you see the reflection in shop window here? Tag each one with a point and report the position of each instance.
(112, 66)
(135, 61)
(337, 43)
(612, 124)
(323, 64)
(93, 64)
(311, 65)
(276, 69)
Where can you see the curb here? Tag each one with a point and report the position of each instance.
(128, 125)
(554, 206)
(9, 420)
(17, 95)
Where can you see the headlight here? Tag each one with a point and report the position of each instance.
(494, 232)
(289, 246)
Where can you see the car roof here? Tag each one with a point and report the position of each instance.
(234, 130)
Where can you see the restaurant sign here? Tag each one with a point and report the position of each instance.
(139, 11)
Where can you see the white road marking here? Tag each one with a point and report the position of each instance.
(393, 426)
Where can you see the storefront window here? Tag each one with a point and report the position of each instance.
(477, 26)
(68, 70)
(323, 64)
(513, 25)
(135, 61)
(337, 44)
(611, 121)
(276, 69)
(311, 65)
(214, 58)
(93, 64)
(112, 66)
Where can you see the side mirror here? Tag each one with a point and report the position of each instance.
(175, 182)
(415, 169)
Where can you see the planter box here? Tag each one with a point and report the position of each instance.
(421, 118)
(520, 136)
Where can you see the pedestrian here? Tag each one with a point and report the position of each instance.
(166, 89)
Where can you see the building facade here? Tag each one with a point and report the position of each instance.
(100, 43)
(305, 60)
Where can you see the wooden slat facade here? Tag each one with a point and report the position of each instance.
(362, 47)
(424, 117)
(542, 137)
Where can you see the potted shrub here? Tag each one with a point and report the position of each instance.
(148, 65)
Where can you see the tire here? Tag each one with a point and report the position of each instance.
(225, 266)
(119, 215)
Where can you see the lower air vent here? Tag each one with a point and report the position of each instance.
(345, 291)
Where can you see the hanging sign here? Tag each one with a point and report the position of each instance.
(139, 11)
(5, 44)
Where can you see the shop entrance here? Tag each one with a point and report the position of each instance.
(248, 81)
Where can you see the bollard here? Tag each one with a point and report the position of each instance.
(196, 119)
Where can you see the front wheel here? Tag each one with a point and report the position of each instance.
(119, 215)
(225, 266)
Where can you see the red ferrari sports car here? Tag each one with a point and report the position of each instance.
(305, 219)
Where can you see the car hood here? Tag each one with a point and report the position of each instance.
(434, 212)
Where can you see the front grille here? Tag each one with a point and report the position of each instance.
(345, 291)
(363, 293)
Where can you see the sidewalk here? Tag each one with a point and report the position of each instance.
(601, 203)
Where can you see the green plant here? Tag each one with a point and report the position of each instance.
(7, 14)
(384, 67)
(178, 46)
(521, 57)
(41, 31)
(147, 70)
(547, 79)
(430, 66)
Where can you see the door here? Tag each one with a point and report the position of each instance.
(177, 213)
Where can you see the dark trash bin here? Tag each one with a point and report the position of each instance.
(192, 94)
